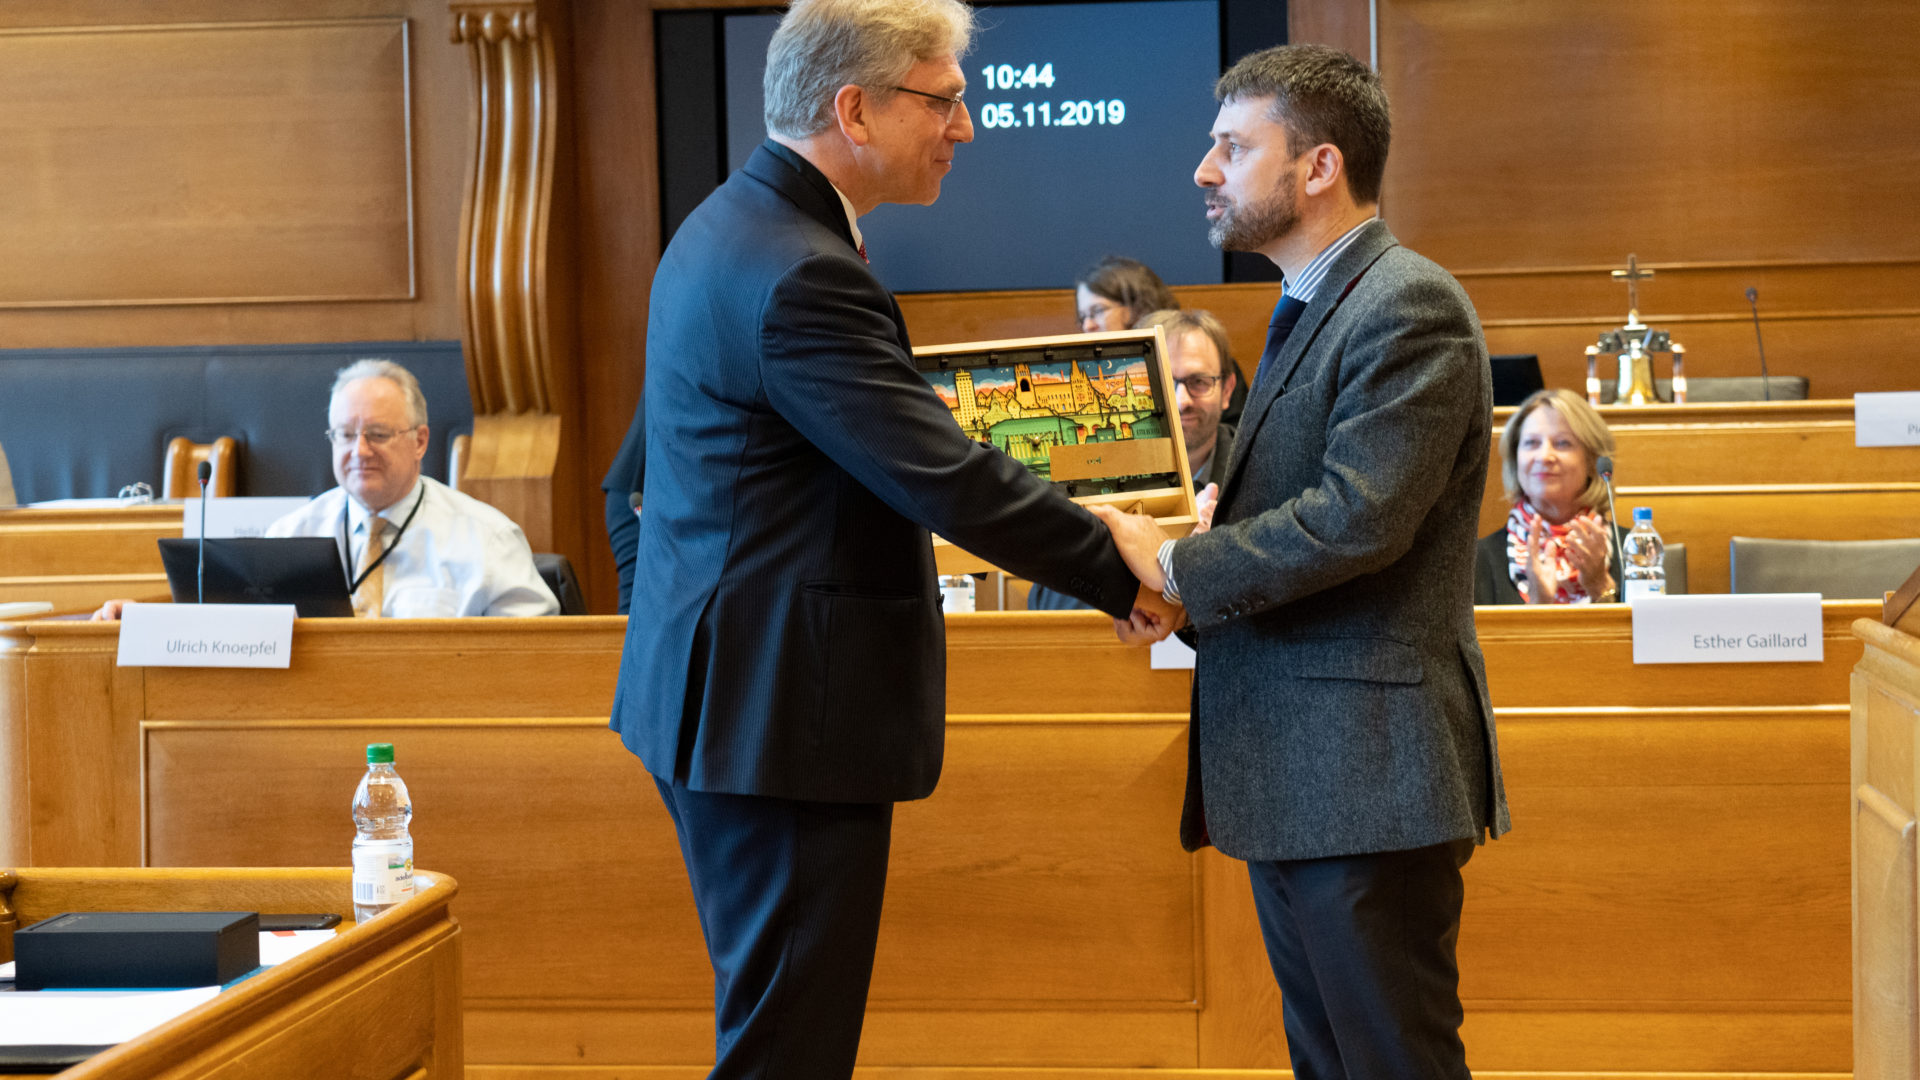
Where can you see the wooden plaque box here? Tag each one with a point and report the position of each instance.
(1094, 414)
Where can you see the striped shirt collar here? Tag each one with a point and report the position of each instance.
(1316, 271)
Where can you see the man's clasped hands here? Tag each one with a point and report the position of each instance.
(1139, 538)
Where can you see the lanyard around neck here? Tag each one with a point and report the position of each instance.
(346, 541)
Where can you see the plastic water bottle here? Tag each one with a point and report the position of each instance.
(382, 849)
(956, 593)
(1646, 570)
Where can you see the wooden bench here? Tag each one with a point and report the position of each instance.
(77, 558)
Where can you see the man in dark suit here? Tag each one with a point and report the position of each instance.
(1342, 740)
(784, 671)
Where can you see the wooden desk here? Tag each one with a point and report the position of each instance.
(1674, 897)
(79, 558)
(380, 1001)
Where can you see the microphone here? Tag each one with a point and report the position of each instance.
(633, 502)
(206, 474)
(1604, 467)
(1766, 384)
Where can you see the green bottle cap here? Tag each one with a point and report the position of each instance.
(380, 753)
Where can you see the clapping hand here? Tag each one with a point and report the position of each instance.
(1586, 546)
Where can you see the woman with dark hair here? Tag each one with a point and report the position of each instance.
(1117, 292)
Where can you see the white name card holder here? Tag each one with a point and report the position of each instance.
(1890, 419)
(239, 515)
(1171, 654)
(1756, 628)
(206, 635)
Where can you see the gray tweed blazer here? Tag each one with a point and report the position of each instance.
(1340, 698)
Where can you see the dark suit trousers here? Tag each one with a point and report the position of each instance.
(789, 898)
(1363, 948)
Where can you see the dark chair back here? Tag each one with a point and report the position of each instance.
(1674, 560)
(1836, 569)
(557, 572)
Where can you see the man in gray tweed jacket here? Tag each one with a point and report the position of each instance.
(1342, 739)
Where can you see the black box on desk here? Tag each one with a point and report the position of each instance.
(136, 949)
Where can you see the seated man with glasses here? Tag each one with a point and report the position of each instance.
(410, 546)
(1203, 383)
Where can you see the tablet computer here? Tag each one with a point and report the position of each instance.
(304, 571)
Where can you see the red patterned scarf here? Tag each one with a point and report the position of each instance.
(1553, 546)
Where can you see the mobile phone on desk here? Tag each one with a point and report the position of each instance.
(270, 923)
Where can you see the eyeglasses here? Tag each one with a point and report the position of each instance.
(376, 436)
(1201, 385)
(1095, 313)
(953, 104)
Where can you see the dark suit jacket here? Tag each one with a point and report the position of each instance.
(1340, 702)
(787, 638)
(1041, 598)
(623, 479)
(1493, 584)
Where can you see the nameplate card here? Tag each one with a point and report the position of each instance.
(206, 635)
(1890, 419)
(239, 516)
(1170, 655)
(1760, 628)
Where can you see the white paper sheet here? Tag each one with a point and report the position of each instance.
(91, 1017)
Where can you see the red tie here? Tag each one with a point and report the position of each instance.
(863, 253)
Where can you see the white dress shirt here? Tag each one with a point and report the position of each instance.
(458, 556)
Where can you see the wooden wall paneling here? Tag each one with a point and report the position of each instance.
(1343, 24)
(1519, 144)
(618, 193)
(239, 142)
(333, 158)
(1527, 165)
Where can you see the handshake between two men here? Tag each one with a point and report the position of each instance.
(1157, 612)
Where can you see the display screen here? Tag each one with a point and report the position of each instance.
(1088, 119)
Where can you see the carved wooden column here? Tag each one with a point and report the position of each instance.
(516, 325)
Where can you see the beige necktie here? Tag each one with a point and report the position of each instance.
(368, 599)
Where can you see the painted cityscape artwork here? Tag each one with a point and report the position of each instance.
(1026, 409)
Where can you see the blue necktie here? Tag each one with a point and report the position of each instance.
(1286, 314)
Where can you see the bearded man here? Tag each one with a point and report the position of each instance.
(1342, 742)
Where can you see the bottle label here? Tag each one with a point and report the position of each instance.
(1637, 589)
(382, 875)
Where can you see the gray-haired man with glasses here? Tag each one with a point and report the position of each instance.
(410, 546)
